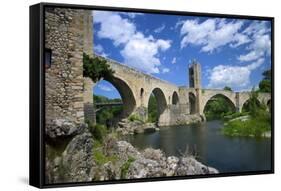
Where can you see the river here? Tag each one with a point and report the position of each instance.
(227, 154)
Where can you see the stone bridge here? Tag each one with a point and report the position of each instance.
(69, 96)
(173, 102)
(135, 89)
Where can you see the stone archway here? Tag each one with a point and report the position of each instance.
(175, 98)
(269, 106)
(126, 93)
(128, 98)
(246, 102)
(230, 104)
(192, 103)
(141, 96)
(161, 105)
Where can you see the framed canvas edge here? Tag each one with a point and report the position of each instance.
(39, 86)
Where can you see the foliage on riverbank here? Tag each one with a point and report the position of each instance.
(257, 124)
(254, 127)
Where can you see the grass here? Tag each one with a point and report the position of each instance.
(125, 167)
(100, 158)
(98, 131)
(253, 127)
(135, 117)
(234, 115)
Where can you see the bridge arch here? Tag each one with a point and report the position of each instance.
(246, 102)
(208, 94)
(127, 95)
(228, 99)
(192, 103)
(160, 100)
(268, 104)
(175, 98)
(141, 96)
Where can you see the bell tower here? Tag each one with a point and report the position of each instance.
(195, 75)
(194, 72)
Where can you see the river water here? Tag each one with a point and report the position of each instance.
(227, 154)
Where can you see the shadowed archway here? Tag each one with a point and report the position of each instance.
(175, 98)
(127, 96)
(157, 104)
(246, 104)
(192, 103)
(218, 106)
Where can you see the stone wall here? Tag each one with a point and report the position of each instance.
(67, 34)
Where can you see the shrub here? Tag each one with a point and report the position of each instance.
(134, 117)
(252, 127)
(98, 131)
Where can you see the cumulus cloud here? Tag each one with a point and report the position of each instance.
(212, 34)
(174, 60)
(165, 70)
(160, 29)
(114, 27)
(233, 76)
(105, 88)
(138, 50)
(99, 50)
(131, 15)
(260, 45)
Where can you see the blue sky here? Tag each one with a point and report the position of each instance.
(232, 52)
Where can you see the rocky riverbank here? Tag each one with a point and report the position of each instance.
(85, 159)
(126, 126)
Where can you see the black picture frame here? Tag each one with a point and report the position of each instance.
(37, 94)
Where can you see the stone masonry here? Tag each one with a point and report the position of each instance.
(67, 36)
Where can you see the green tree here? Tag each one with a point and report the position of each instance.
(253, 105)
(218, 107)
(267, 74)
(265, 84)
(107, 113)
(96, 68)
(227, 88)
(152, 109)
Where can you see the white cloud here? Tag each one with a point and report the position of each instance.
(174, 60)
(114, 27)
(160, 29)
(131, 15)
(165, 70)
(212, 34)
(99, 50)
(105, 88)
(138, 50)
(260, 45)
(233, 76)
(253, 55)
